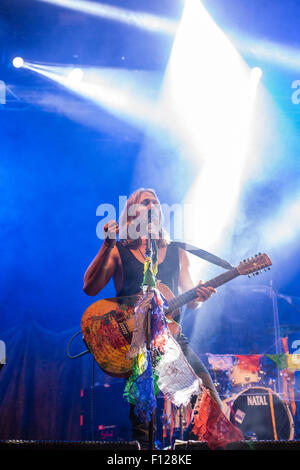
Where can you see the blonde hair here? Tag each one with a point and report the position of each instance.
(125, 220)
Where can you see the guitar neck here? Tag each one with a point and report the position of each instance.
(190, 295)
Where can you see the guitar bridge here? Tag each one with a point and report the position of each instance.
(120, 319)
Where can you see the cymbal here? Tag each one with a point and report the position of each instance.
(284, 330)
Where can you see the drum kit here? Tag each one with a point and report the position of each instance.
(251, 396)
(257, 392)
(258, 395)
(252, 403)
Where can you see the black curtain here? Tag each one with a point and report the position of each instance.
(40, 386)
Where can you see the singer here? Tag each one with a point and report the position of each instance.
(123, 262)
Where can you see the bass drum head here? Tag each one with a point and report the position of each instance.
(261, 415)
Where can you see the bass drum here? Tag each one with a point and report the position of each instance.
(261, 415)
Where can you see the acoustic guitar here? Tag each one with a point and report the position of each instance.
(107, 325)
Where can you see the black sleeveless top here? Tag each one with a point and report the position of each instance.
(133, 270)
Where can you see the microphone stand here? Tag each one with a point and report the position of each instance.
(148, 334)
(151, 423)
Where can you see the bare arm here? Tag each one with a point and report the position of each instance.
(186, 283)
(100, 271)
(104, 265)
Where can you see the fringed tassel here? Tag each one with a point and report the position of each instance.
(172, 424)
(209, 424)
(139, 389)
(164, 366)
(165, 422)
(177, 380)
(138, 341)
(142, 387)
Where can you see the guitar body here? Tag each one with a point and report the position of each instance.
(107, 326)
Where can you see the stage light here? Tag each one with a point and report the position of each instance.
(18, 62)
(75, 76)
(256, 74)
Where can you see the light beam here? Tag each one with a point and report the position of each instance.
(132, 18)
(210, 93)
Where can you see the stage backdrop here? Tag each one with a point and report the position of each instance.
(40, 387)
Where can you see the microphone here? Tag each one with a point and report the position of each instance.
(149, 228)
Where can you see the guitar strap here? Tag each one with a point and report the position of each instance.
(203, 254)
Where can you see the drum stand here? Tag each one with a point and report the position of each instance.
(281, 347)
(278, 343)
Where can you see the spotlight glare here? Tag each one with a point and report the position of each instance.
(212, 127)
(18, 62)
(75, 76)
(256, 73)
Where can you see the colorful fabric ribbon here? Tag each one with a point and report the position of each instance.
(150, 265)
(250, 363)
(220, 362)
(163, 367)
(141, 388)
(293, 361)
(286, 361)
(138, 342)
(279, 359)
(210, 425)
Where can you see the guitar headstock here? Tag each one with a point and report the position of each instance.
(254, 264)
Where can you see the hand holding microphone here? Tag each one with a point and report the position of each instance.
(111, 229)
